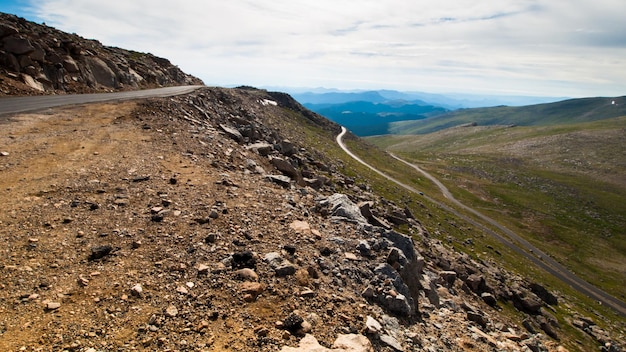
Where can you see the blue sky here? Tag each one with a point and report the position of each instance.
(528, 47)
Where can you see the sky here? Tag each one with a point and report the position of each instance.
(573, 48)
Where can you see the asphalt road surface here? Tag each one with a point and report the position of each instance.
(511, 239)
(15, 105)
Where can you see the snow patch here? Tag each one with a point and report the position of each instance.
(266, 102)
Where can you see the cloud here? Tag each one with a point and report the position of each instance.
(557, 47)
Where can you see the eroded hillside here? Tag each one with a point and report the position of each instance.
(205, 222)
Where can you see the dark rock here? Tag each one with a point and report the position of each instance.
(291, 249)
(284, 181)
(244, 260)
(285, 167)
(544, 294)
(100, 252)
(478, 318)
(475, 282)
(18, 45)
(293, 323)
(489, 298)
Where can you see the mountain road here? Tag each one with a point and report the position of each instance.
(13, 105)
(509, 239)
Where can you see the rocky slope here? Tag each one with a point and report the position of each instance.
(203, 222)
(37, 59)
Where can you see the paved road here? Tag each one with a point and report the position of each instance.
(511, 240)
(14, 105)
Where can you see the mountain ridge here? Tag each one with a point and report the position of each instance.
(37, 59)
(562, 112)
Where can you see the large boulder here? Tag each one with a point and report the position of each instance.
(343, 343)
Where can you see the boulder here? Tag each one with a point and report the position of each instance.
(341, 206)
(286, 168)
(343, 343)
(102, 74)
(18, 45)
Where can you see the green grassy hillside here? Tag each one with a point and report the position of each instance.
(560, 186)
(563, 112)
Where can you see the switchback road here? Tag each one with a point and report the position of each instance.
(511, 239)
(14, 105)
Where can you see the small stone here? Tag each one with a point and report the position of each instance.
(100, 252)
(210, 238)
(391, 342)
(202, 326)
(300, 226)
(368, 293)
(372, 326)
(171, 311)
(136, 290)
(261, 332)
(246, 274)
(351, 256)
(53, 305)
(182, 290)
(82, 281)
(307, 293)
(293, 322)
(203, 269)
(4, 153)
(121, 201)
(305, 328)
(285, 269)
(254, 289)
(489, 298)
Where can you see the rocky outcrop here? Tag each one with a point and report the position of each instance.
(37, 59)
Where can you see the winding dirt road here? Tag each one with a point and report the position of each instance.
(511, 239)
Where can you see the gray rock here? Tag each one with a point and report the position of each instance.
(285, 167)
(262, 148)
(101, 73)
(287, 148)
(341, 206)
(372, 326)
(136, 290)
(281, 180)
(391, 342)
(448, 277)
(232, 132)
(281, 266)
(364, 248)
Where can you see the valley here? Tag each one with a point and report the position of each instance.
(561, 186)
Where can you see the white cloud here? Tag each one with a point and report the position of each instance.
(557, 47)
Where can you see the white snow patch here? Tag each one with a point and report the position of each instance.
(266, 102)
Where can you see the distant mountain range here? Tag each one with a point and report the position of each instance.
(563, 112)
(368, 113)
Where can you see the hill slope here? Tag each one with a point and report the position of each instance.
(37, 59)
(564, 112)
(562, 186)
(194, 223)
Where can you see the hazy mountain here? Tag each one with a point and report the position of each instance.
(450, 101)
(562, 112)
